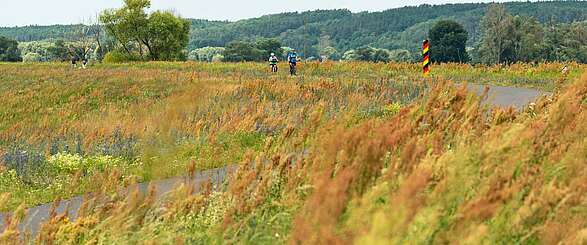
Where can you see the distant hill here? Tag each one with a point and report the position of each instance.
(401, 28)
(37, 32)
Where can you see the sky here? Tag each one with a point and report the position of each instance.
(46, 12)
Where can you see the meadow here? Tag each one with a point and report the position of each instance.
(344, 153)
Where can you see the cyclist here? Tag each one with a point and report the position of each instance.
(292, 58)
(84, 62)
(273, 60)
(74, 62)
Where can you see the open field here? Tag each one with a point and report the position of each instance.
(346, 152)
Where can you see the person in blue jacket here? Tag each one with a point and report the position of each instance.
(292, 58)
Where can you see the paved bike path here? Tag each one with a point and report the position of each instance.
(508, 96)
(38, 215)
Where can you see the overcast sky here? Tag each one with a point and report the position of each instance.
(45, 12)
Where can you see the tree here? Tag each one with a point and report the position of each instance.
(206, 54)
(217, 58)
(257, 51)
(242, 51)
(269, 45)
(370, 54)
(167, 36)
(39, 49)
(58, 51)
(575, 45)
(566, 42)
(33, 57)
(158, 36)
(448, 42)
(350, 55)
(400, 55)
(100, 40)
(128, 24)
(9, 50)
(364, 53)
(380, 55)
(498, 31)
(528, 40)
(329, 53)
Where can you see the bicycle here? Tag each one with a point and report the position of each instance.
(293, 69)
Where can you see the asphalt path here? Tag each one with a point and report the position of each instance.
(38, 215)
(508, 96)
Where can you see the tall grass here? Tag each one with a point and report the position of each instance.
(160, 117)
(345, 153)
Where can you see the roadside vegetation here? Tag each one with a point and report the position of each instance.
(345, 153)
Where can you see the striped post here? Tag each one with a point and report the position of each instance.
(426, 57)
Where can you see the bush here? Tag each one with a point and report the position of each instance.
(400, 55)
(350, 55)
(311, 58)
(26, 162)
(242, 51)
(239, 51)
(9, 51)
(8, 177)
(372, 54)
(118, 57)
(32, 57)
(66, 163)
(206, 54)
(217, 58)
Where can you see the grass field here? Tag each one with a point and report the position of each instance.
(344, 153)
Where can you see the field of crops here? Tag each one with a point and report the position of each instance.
(343, 153)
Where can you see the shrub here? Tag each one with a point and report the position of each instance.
(207, 54)
(103, 162)
(350, 55)
(66, 163)
(32, 57)
(26, 162)
(8, 177)
(400, 55)
(118, 57)
(9, 50)
(392, 109)
(217, 58)
(242, 51)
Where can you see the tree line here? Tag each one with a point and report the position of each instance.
(125, 34)
(504, 39)
(509, 39)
